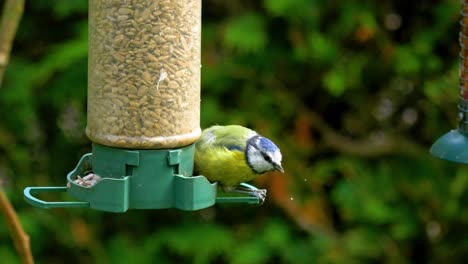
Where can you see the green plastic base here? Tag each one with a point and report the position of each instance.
(142, 179)
(138, 179)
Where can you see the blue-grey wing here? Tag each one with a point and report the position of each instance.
(234, 147)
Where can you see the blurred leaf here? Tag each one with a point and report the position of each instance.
(122, 250)
(363, 243)
(407, 62)
(61, 9)
(405, 229)
(459, 183)
(201, 242)
(8, 256)
(294, 9)
(246, 33)
(64, 9)
(63, 55)
(335, 82)
(322, 48)
(252, 251)
(276, 234)
(436, 88)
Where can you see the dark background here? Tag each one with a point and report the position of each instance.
(354, 92)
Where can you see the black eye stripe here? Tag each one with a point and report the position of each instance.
(266, 157)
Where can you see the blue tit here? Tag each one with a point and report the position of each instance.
(234, 154)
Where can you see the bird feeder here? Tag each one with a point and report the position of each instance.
(143, 111)
(453, 146)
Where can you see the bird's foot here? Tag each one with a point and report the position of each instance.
(259, 193)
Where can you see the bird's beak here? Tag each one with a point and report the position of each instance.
(279, 168)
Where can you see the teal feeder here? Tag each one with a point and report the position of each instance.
(143, 112)
(453, 146)
(138, 179)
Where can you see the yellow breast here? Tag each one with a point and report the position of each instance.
(219, 164)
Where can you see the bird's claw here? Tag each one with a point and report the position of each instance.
(261, 194)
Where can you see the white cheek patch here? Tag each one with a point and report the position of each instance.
(258, 162)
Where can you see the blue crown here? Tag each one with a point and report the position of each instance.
(267, 144)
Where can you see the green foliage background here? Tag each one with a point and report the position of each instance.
(354, 93)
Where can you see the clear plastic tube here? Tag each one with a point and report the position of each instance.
(144, 73)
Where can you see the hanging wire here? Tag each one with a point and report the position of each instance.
(463, 41)
(463, 71)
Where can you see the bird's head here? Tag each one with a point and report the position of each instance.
(263, 155)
